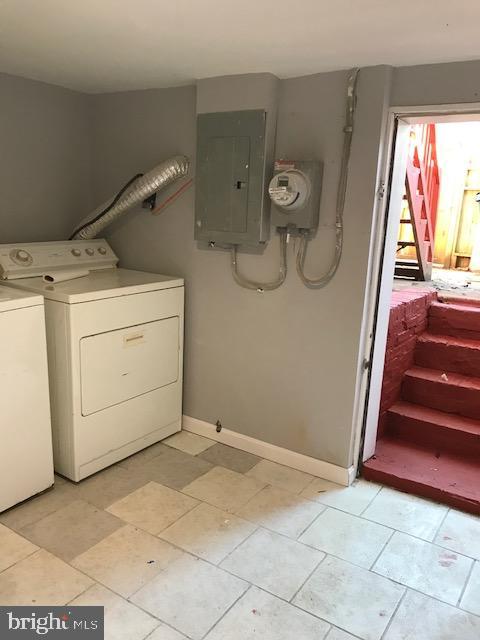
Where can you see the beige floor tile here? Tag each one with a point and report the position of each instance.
(281, 511)
(273, 562)
(348, 537)
(152, 507)
(13, 547)
(164, 632)
(137, 460)
(353, 499)
(190, 595)
(260, 615)
(234, 459)
(72, 530)
(420, 518)
(280, 476)
(425, 567)
(338, 634)
(110, 485)
(208, 532)
(460, 532)
(189, 442)
(471, 597)
(41, 579)
(123, 620)
(350, 597)
(224, 489)
(422, 618)
(40, 506)
(174, 468)
(126, 560)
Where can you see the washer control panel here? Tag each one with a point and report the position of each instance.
(35, 258)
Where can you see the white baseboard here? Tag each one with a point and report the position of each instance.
(313, 466)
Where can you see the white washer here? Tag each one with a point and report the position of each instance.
(115, 351)
(26, 465)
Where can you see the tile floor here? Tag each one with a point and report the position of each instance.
(193, 539)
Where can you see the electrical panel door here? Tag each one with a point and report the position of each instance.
(231, 203)
(227, 188)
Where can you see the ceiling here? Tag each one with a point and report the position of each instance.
(112, 45)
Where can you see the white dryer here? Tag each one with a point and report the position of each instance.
(26, 465)
(115, 350)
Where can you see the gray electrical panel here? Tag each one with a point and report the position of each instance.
(232, 204)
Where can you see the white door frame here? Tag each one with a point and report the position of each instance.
(381, 264)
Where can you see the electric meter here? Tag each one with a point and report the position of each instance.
(295, 193)
(289, 190)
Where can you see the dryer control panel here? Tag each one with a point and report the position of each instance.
(36, 258)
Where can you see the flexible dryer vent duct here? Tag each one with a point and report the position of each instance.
(135, 191)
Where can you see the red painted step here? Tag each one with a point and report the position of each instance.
(459, 320)
(450, 478)
(447, 298)
(448, 353)
(449, 392)
(441, 431)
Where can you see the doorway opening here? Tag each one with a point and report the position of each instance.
(439, 232)
(423, 413)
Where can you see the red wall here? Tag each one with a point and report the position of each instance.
(408, 318)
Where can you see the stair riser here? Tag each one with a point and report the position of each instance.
(411, 274)
(422, 490)
(445, 357)
(442, 396)
(439, 437)
(459, 321)
(442, 326)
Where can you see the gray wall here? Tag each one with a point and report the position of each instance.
(279, 366)
(45, 180)
(425, 84)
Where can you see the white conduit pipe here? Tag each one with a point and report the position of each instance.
(318, 283)
(262, 286)
(134, 192)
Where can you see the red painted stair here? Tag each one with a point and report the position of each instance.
(439, 430)
(442, 390)
(432, 435)
(449, 478)
(459, 320)
(448, 353)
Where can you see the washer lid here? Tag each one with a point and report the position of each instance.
(11, 299)
(98, 285)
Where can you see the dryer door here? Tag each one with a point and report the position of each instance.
(122, 364)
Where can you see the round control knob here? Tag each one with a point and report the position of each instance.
(89, 251)
(102, 251)
(20, 256)
(76, 252)
(23, 256)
